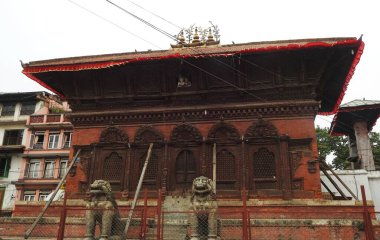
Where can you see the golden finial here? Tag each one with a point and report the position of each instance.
(181, 38)
(196, 36)
(210, 37)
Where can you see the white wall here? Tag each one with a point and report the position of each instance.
(354, 179)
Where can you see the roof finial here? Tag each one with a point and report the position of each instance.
(196, 36)
(210, 37)
(181, 38)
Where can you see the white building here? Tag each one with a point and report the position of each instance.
(14, 111)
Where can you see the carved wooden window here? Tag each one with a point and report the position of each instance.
(223, 132)
(264, 169)
(185, 167)
(112, 167)
(225, 166)
(151, 171)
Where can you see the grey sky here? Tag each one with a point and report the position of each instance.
(45, 29)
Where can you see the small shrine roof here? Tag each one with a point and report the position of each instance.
(351, 112)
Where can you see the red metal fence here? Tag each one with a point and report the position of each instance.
(154, 220)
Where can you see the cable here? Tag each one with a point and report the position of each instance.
(172, 37)
(143, 21)
(156, 15)
(251, 63)
(114, 24)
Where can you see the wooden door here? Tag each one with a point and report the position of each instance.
(185, 170)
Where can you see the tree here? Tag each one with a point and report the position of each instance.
(375, 143)
(338, 146)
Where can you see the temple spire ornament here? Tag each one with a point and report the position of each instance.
(197, 36)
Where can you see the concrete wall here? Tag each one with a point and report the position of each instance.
(354, 179)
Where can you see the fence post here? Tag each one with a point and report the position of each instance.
(245, 215)
(366, 217)
(144, 216)
(62, 220)
(159, 214)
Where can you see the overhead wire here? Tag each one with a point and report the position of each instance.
(184, 60)
(347, 127)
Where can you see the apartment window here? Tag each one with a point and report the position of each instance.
(13, 137)
(63, 167)
(37, 140)
(5, 165)
(53, 140)
(32, 169)
(8, 110)
(27, 108)
(49, 169)
(67, 139)
(29, 195)
(43, 195)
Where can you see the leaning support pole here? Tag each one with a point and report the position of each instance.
(29, 231)
(137, 190)
(334, 183)
(339, 179)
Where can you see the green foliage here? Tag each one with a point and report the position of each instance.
(338, 146)
(57, 110)
(375, 143)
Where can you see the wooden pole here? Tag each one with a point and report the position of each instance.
(29, 231)
(214, 166)
(138, 190)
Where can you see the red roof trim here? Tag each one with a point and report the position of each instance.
(353, 109)
(347, 81)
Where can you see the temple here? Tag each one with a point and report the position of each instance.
(255, 102)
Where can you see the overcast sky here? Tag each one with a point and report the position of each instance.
(46, 29)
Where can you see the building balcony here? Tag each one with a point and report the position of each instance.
(47, 118)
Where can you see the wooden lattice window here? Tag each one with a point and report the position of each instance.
(264, 164)
(185, 167)
(151, 170)
(225, 166)
(112, 167)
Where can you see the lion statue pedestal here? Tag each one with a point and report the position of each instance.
(203, 220)
(102, 209)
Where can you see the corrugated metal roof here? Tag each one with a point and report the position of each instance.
(359, 103)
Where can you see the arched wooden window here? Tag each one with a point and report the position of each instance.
(112, 169)
(264, 169)
(185, 168)
(225, 167)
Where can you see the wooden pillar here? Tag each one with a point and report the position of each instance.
(244, 182)
(127, 178)
(285, 168)
(164, 179)
(203, 159)
(363, 146)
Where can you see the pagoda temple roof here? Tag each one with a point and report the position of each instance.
(351, 112)
(332, 92)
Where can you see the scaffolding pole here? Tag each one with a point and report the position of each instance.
(29, 231)
(129, 219)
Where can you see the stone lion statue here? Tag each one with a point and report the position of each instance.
(102, 209)
(203, 220)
